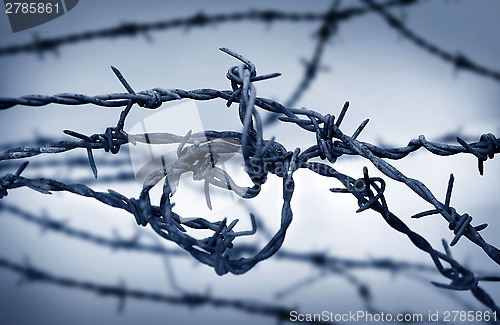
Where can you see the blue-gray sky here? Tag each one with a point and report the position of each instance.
(403, 90)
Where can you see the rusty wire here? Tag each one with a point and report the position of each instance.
(41, 45)
(312, 66)
(458, 60)
(319, 260)
(329, 20)
(113, 138)
(197, 152)
(362, 188)
(72, 162)
(327, 264)
(33, 274)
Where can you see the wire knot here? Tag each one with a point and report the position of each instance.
(7, 180)
(257, 170)
(459, 225)
(492, 143)
(362, 186)
(236, 76)
(138, 212)
(237, 79)
(461, 278)
(111, 139)
(5, 184)
(326, 148)
(154, 101)
(489, 141)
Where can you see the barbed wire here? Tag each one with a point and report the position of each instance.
(320, 260)
(324, 33)
(312, 66)
(461, 278)
(198, 153)
(72, 162)
(119, 160)
(32, 274)
(327, 29)
(458, 60)
(487, 146)
(326, 263)
(37, 140)
(40, 45)
(115, 137)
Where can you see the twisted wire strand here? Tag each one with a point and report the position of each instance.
(461, 277)
(312, 66)
(458, 60)
(40, 45)
(324, 33)
(37, 140)
(30, 273)
(320, 260)
(73, 162)
(327, 264)
(487, 146)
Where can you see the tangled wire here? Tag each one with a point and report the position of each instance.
(198, 154)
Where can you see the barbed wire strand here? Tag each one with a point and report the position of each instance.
(486, 147)
(73, 162)
(312, 66)
(461, 278)
(327, 264)
(458, 60)
(454, 295)
(37, 140)
(329, 28)
(324, 33)
(480, 148)
(40, 45)
(31, 274)
(320, 260)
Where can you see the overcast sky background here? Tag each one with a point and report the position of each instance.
(402, 89)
